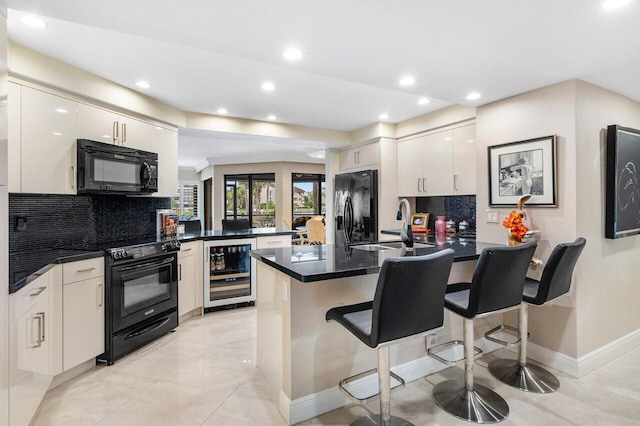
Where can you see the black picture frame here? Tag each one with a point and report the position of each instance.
(523, 167)
(622, 210)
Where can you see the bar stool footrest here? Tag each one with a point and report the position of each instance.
(363, 401)
(443, 346)
(513, 331)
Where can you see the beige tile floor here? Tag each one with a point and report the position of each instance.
(205, 374)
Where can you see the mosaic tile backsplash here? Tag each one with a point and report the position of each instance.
(79, 221)
(456, 208)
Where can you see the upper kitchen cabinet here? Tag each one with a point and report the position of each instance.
(102, 125)
(14, 94)
(438, 164)
(464, 160)
(362, 157)
(165, 143)
(48, 143)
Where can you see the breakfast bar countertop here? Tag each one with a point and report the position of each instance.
(325, 262)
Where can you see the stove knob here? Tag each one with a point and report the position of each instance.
(125, 254)
(116, 255)
(164, 247)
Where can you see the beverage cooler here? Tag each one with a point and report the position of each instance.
(229, 272)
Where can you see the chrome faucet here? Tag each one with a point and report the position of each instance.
(404, 214)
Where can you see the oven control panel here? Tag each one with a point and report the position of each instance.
(144, 250)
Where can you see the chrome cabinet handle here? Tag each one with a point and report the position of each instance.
(100, 295)
(455, 182)
(73, 177)
(40, 338)
(424, 184)
(115, 132)
(124, 133)
(186, 250)
(419, 185)
(180, 272)
(40, 290)
(86, 270)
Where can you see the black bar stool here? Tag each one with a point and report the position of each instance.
(409, 301)
(496, 287)
(555, 281)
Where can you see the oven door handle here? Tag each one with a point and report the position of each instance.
(148, 265)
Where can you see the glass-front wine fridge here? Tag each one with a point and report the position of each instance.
(229, 272)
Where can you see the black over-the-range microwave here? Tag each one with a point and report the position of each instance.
(112, 169)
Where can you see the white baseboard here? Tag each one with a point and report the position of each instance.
(309, 406)
(580, 367)
(72, 373)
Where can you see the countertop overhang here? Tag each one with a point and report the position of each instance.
(325, 262)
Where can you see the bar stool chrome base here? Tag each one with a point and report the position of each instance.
(529, 378)
(480, 405)
(374, 420)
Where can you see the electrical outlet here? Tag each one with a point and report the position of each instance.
(492, 216)
(20, 223)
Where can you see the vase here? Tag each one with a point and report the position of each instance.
(441, 226)
(513, 240)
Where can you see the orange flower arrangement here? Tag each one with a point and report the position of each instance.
(513, 222)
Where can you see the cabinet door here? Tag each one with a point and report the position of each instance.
(97, 124)
(165, 143)
(14, 142)
(410, 179)
(34, 337)
(464, 160)
(135, 133)
(48, 149)
(83, 321)
(361, 157)
(437, 164)
(186, 284)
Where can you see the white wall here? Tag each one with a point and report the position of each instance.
(601, 306)
(609, 288)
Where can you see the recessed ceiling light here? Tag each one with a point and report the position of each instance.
(473, 96)
(614, 4)
(61, 110)
(222, 111)
(383, 116)
(271, 117)
(143, 84)
(268, 86)
(407, 80)
(423, 101)
(33, 22)
(57, 133)
(292, 54)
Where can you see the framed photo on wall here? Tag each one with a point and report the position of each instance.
(524, 167)
(622, 211)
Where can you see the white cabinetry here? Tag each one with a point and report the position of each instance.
(83, 311)
(106, 126)
(438, 164)
(14, 154)
(165, 143)
(48, 143)
(33, 361)
(190, 293)
(273, 241)
(364, 156)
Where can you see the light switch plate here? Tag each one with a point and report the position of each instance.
(492, 216)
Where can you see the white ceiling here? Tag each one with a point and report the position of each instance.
(202, 55)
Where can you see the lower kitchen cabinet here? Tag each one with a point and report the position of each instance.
(32, 346)
(82, 321)
(190, 293)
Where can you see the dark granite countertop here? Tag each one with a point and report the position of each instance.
(24, 267)
(317, 263)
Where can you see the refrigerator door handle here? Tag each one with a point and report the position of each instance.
(348, 219)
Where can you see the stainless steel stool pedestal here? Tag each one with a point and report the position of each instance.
(466, 400)
(518, 373)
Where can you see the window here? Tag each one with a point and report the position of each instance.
(251, 196)
(186, 203)
(308, 195)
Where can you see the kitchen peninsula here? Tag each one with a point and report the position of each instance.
(302, 356)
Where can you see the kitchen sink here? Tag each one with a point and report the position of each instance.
(387, 245)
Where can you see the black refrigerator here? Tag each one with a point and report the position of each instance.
(356, 207)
